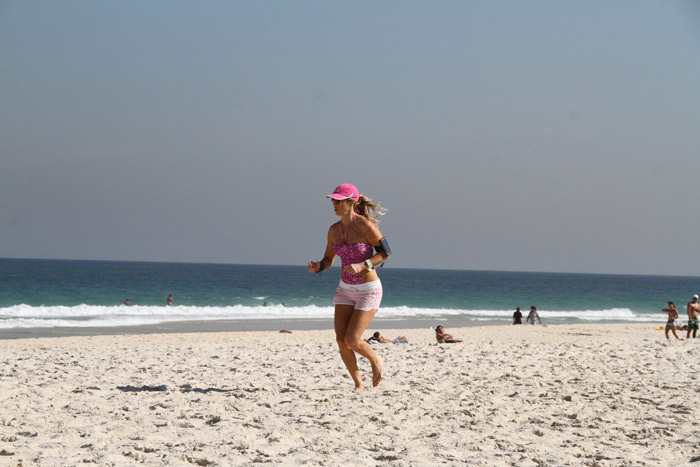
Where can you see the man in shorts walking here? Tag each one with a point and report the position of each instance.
(693, 310)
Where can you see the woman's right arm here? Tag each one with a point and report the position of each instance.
(328, 257)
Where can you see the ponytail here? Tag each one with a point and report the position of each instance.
(369, 210)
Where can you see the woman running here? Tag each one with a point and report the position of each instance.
(355, 238)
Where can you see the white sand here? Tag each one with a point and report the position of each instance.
(508, 395)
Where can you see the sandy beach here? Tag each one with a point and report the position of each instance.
(508, 395)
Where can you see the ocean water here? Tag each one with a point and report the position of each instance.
(63, 293)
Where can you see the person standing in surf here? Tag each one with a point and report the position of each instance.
(361, 247)
(533, 317)
(672, 317)
(517, 316)
(693, 310)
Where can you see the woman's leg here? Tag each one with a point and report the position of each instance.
(343, 313)
(359, 321)
(349, 326)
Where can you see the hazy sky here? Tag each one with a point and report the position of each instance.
(501, 135)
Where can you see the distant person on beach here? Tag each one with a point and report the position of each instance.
(361, 247)
(672, 317)
(533, 317)
(444, 338)
(170, 300)
(126, 302)
(693, 310)
(377, 338)
(517, 316)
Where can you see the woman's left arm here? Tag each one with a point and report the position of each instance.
(374, 238)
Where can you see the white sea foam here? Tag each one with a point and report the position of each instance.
(25, 316)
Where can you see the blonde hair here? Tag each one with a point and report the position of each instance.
(368, 209)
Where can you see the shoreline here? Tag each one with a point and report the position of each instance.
(298, 324)
(178, 327)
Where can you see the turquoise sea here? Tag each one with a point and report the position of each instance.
(51, 294)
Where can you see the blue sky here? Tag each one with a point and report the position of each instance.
(536, 136)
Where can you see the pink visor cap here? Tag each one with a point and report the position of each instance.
(345, 191)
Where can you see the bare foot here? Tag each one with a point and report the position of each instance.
(377, 372)
(357, 379)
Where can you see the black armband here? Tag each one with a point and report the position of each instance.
(383, 247)
(321, 266)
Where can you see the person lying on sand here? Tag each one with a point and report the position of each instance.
(377, 338)
(443, 338)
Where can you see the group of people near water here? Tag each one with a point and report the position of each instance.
(673, 322)
(532, 317)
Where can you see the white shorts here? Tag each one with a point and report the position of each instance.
(363, 297)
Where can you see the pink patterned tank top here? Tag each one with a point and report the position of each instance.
(352, 253)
